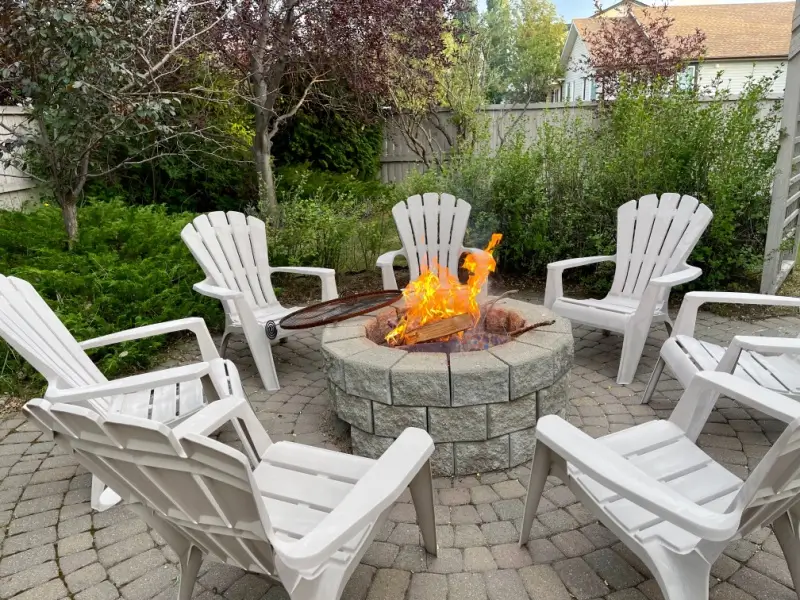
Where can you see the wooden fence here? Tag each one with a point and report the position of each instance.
(16, 190)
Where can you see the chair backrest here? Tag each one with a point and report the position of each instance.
(432, 228)
(774, 485)
(30, 327)
(232, 251)
(655, 237)
(203, 488)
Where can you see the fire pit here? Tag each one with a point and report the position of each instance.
(478, 394)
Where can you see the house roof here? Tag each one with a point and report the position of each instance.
(756, 30)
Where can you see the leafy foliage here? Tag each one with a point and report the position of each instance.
(557, 197)
(128, 269)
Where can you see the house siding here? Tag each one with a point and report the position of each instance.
(736, 73)
(575, 74)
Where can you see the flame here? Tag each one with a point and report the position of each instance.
(437, 294)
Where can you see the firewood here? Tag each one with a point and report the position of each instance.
(522, 330)
(439, 329)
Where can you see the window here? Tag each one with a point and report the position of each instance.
(686, 78)
(593, 93)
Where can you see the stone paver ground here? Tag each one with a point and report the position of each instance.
(54, 546)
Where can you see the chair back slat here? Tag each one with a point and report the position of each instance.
(232, 251)
(655, 237)
(432, 229)
(202, 487)
(774, 485)
(31, 327)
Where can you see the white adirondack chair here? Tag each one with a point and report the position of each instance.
(772, 362)
(232, 251)
(654, 240)
(667, 500)
(431, 229)
(169, 396)
(304, 515)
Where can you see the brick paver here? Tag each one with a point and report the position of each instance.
(52, 546)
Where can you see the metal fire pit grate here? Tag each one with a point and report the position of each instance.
(339, 309)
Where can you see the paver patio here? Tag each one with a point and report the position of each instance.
(54, 546)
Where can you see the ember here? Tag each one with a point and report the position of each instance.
(437, 294)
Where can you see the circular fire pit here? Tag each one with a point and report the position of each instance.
(479, 406)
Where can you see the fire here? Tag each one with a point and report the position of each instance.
(437, 294)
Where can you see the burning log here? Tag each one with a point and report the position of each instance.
(439, 329)
(522, 330)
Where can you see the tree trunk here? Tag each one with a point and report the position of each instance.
(267, 199)
(69, 212)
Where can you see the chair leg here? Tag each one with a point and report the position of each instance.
(422, 495)
(632, 347)
(540, 469)
(653, 382)
(682, 577)
(190, 565)
(785, 528)
(223, 345)
(261, 350)
(103, 497)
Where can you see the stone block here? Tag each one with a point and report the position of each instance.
(356, 411)
(505, 417)
(337, 334)
(390, 421)
(442, 461)
(560, 345)
(366, 444)
(335, 352)
(477, 378)
(421, 379)
(462, 424)
(367, 374)
(553, 400)
(522, 444)
(481, 457)
(531, 368)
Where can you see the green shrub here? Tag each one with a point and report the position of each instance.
(557, 197)
(330, 220)
(129, 268)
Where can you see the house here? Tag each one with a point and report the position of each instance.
(742, 40)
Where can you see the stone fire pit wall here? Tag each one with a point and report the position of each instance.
(480, 407)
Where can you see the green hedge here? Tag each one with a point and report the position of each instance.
(128, 269)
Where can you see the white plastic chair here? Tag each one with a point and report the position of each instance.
(772, 362)
(232, 251)
(654, 240)
(431, 228)
(667, 500)
(169, 396)
(304, 515)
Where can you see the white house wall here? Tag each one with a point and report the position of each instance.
(575, 74)
(736, 73)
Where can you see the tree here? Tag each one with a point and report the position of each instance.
(286, 51)
(637, 46)
(95, 76)
(525, 38)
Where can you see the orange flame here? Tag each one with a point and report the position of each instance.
(437, 294)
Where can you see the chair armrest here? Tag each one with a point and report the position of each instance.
(687, 316)
(207, 288)
(554, 288)
(385, 263)
(767, 345)
(327, 276)
(677, 278)
(126, 385)
(753, 395)
(374, 493)
(571, 263)
(388, 258)
(194, 324)
(610, 469)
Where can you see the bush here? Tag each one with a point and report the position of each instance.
(330, 220)
(129, 268)
(557, 197)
